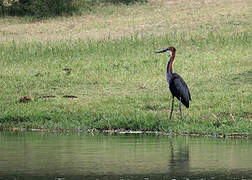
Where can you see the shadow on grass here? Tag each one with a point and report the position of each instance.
(14, 120)
(245, 77)
(154, 107)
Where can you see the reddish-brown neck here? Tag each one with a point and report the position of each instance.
(169, 65)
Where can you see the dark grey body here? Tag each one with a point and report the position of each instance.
(178, 88)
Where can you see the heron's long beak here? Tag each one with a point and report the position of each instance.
(162, 51)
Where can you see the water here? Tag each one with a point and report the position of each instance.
(122, 157)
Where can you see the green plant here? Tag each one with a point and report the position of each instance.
(48, 8)
(40, 8)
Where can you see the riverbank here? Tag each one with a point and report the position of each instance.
(118, 82)
(127, 132)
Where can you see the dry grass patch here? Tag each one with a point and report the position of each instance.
(155, 17)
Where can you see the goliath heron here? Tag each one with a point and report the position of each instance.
(176, 84)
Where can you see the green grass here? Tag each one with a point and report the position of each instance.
(120, 84)
(119, 81)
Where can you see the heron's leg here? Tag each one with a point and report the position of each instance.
(180, 108)
(172, 106)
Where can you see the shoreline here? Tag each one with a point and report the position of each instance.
(128, 132)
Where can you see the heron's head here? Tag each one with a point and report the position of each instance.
(171, 50)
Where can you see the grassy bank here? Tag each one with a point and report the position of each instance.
(119, 82)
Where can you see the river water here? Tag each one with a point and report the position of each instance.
(26, 155)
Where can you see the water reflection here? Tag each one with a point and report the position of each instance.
(179, 160)
(79, 156)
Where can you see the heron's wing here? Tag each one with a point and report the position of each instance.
(186, 89)
(182, 89)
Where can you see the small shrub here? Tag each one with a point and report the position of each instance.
(48, 8)
(37, 8)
